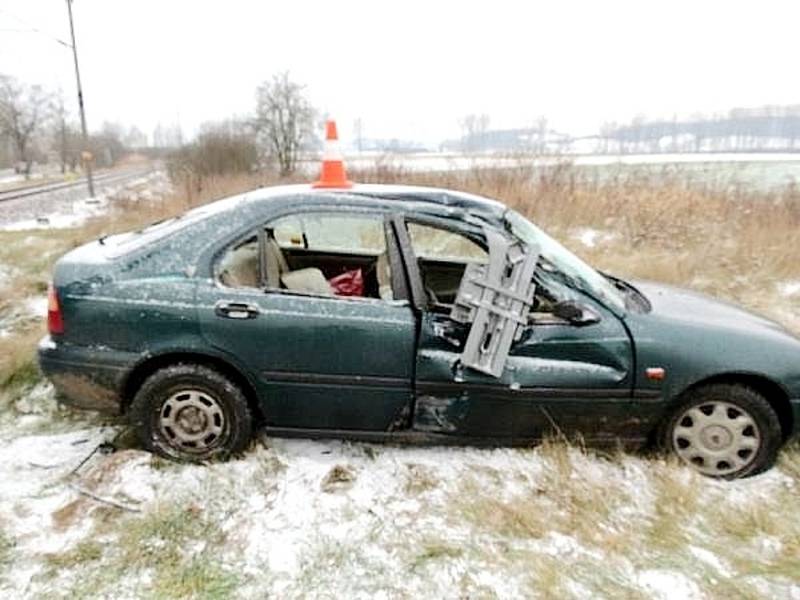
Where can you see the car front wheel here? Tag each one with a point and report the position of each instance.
(192, 413)
(724, 430)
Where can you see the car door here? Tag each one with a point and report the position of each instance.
(559, 377)
(320, 361)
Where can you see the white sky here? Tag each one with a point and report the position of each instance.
(410, 69)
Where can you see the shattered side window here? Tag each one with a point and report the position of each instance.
(239, 267)
(358, 234)
(288, 232)
(434, 243)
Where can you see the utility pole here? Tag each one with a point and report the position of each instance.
(88, 159)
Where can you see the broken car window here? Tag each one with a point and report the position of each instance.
(238, 267)
(331, 231)
(561, 262)
(433, 243)
(328, 253)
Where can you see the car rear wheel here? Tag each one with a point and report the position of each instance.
(192, 413)
(725, 431)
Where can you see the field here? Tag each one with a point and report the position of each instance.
(334, 519)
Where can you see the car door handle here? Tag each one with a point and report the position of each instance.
(236, 310)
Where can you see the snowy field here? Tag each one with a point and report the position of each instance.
(297, 518)
(759, 171)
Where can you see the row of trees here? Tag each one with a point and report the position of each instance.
(37, 126)
(764, 128)
(281, 127)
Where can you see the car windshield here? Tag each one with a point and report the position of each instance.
(577, 273)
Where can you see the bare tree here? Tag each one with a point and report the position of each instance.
(66, 136)
(284, 119)
(23, 110)
(221, 148)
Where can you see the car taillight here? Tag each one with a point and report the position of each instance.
(55, 320)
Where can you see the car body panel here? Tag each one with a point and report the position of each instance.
(336, 362)
(559, 379)
(695, 337)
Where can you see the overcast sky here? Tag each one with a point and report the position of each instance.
(411, 69)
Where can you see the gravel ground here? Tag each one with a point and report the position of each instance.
(69, 206)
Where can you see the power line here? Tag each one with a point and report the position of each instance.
(74, 46)
(32, 28)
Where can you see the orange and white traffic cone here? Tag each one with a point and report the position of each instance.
(333, 174)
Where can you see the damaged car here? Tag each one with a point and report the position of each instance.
(404, 314)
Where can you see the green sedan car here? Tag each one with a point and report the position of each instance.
(404, 314)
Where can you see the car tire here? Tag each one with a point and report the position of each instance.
(725, 431)
(190, 412)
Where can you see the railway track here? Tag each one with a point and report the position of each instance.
(99, 180)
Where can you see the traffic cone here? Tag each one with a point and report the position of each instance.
(333, 174)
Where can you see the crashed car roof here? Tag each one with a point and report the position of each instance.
(256, 203)
(427, 199)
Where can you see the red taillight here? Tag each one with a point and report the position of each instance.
(55, 320)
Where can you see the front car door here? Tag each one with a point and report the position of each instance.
(559, 378)
(319, 360)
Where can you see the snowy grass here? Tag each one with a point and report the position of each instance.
(334, 519)
(546, 522)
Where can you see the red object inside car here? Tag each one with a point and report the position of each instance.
(349, 283)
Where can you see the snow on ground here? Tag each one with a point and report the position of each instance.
(18, 314)
(37, 307)
(685, 158)
(789, 288)
(6, 275)
(66, 216)
(664, 584)
(299, 518)
(593, 237)
(443, 161)
(8, 178)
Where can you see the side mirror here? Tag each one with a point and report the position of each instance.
(575, 313)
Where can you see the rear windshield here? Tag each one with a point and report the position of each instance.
(123, 243)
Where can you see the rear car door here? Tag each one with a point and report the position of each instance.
(558, 378)
(320, 360)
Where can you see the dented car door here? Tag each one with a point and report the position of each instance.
(551, 376)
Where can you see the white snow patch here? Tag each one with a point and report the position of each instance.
(592, 237)
(33, 471)
(711, 559)
(24, 312)
(6, 274)
(789, 288)
(37, 306)
(80, 211)
(668, 585)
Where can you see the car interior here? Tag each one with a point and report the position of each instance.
(346, 256)
(315, 254)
